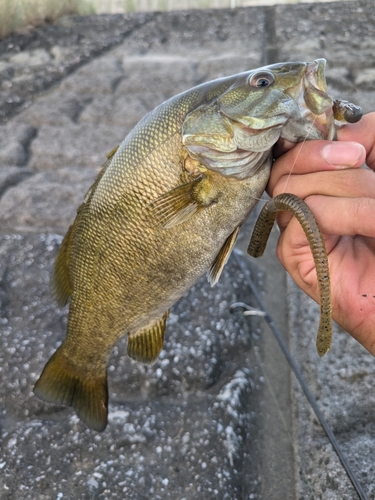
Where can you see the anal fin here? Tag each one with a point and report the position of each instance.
(222, 257)
(61, 383)
(145, 345)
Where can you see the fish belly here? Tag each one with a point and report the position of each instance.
(144, 269)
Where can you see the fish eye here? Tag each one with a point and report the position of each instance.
(261, 79)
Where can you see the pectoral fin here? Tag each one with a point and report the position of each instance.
(181, 203)
(145, 345)
(222, 257)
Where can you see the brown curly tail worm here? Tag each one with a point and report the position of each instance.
(305, 217)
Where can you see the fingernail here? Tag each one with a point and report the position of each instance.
(343, 154)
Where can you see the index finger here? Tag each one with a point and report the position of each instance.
(316, 156)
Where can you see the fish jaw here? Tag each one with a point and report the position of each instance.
(234, 134)
(315, 105)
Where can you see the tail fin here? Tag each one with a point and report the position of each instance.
(62, 383)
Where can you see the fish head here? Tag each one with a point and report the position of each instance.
(315, 106)
(234, 133)
(275, 95)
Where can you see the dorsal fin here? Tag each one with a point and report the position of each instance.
(61, 280)
(222, 257)
(112, 152)
(60, 283)
(145, 345)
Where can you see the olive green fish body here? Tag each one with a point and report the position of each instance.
(125, 266)
(135, 270)
(166, 209)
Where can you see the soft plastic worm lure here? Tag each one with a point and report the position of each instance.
(303, 214)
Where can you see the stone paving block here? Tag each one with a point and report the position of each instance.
(159, 75)
(122, 110)
(55, 148)
(152, 450)
(365, 78)
(45, 200)
(227, 63)
(54, 113)
(342, 382)
(15, 141)
(105, 70)
(68, 44)
(169, 32)
(342, 33)
(11, 176)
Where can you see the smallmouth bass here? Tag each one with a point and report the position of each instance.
(165, 209)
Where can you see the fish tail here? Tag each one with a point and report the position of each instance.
(61, 383)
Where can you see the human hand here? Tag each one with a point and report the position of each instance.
(341, 195)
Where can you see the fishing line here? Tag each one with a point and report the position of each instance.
(298, 153)
(295, 160)
(252, 311)
(237, 254)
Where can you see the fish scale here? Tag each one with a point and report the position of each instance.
(166, 209)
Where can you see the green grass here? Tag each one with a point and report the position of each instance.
(18, 15)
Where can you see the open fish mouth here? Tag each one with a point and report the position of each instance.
(315, 87)
(233, 134)
(314, 103)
